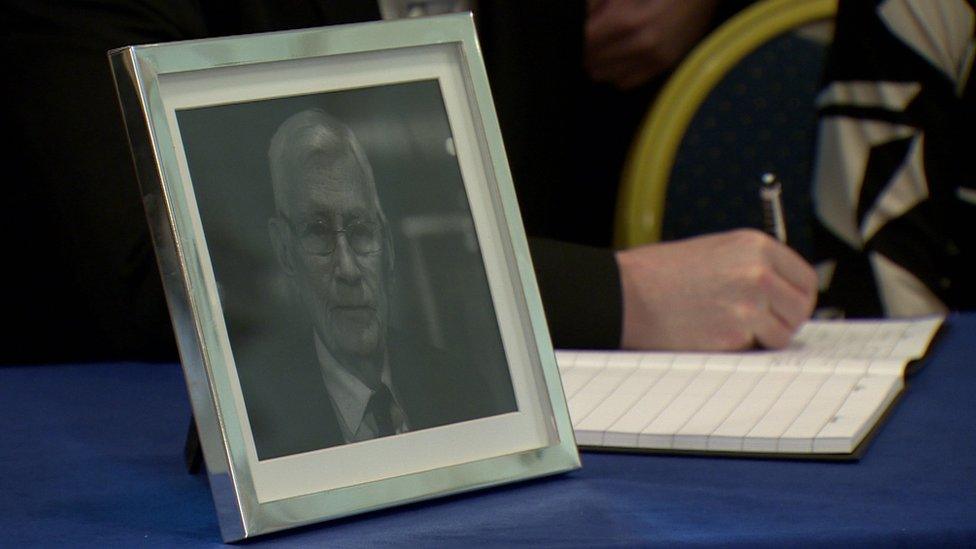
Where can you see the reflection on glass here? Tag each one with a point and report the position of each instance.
(352, 284)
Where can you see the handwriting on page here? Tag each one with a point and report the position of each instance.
(820, 395)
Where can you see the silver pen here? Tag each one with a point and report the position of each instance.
(770, 193)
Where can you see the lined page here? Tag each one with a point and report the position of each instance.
(660, 432)
(822, 394)
(695, 433)
(730, 434)
(625, 431)
(591, 428)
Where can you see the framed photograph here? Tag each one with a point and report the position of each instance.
(346, 269)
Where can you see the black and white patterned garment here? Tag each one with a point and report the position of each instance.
(895, 182)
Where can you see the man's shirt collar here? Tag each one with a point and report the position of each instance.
(350, 395)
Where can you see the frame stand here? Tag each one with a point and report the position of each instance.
(192, 454)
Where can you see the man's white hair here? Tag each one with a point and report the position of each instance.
(316, 132)
(313, 132)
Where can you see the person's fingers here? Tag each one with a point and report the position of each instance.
(593, 6)
(793, 268)
(715, 292)
(787, 302)
(770, 331)
(602, 28)
(624, 46)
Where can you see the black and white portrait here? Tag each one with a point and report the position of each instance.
(347, 265)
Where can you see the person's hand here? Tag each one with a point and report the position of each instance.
(721, 292)
(630, 41)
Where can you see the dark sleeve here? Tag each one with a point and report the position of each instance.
(580, 287)
(533, 55)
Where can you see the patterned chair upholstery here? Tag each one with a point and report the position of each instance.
(760, 118)
(742, 103)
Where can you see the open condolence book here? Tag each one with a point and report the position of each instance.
(820, 397)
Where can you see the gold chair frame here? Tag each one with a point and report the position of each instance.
(640, 200)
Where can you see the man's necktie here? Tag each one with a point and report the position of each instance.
(380, 407)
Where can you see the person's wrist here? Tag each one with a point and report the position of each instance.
(634, 328)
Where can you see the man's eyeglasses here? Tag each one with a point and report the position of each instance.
(321, 238)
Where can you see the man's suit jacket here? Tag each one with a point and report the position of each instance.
(290, 411)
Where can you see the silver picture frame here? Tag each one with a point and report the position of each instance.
(220, 131)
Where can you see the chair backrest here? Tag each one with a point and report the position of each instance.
(742, 103)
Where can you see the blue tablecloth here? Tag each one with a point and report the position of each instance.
(91, 456)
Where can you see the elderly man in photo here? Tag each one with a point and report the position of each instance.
(331, 239)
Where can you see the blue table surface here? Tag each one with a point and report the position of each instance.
(91, 456)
